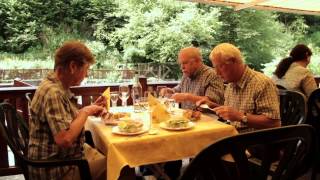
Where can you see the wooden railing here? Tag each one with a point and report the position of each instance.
(17, 97)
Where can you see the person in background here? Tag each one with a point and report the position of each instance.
(198, 80)
(250, 99)
(56, 124)
(292, 72)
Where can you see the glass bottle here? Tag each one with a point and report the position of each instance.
(136, 92)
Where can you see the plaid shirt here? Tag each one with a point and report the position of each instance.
(254, 93)
(52, 110)
(204, 82)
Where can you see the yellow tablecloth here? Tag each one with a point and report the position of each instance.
(148, 149)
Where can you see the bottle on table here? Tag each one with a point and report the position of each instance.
(136, 92)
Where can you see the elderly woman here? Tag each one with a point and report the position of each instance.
(56, 125)
(292, 72)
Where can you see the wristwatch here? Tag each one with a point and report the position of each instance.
(244, 119)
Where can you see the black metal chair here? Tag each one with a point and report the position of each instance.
(313, 118)
(313, 104)
(295, 160)
(15, 133)
(292, 107)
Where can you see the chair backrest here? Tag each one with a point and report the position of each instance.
(29, 99)
(15, 131)
(295, 160)
(313, 104)
(292, 107)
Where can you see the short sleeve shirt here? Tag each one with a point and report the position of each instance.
(254, 93)
(53, 108)
(204, 82)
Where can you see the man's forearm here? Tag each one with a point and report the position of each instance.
(262, 121)
(193, 98)
(65, 138)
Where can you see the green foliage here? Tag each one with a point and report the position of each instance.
(315, 38)
(18, 27)
(135, 31)
(160, 32)
(259, 35)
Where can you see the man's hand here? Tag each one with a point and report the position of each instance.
(166, 92)
(180, 97)
(228, 113)
(92, 110)
(206, 100)
(101, 101)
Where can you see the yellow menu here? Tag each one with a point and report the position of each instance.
(159, 113)
(152, 101)
(106, 94)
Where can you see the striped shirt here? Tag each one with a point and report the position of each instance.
(52, 110)
(254, 93)
(204, 82)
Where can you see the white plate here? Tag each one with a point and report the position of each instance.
(164, 126)
(115, 130)
(205, 106)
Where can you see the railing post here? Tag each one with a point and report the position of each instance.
(144, 84)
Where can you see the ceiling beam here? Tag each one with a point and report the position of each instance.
(258, 7)
(248, 5)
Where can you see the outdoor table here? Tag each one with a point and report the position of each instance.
(133, 151)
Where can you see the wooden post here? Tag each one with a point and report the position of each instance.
(144, 83)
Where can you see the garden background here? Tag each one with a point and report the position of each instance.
(124, 33)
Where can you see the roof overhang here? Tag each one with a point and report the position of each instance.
(310, 7)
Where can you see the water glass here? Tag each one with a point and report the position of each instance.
(124, 93)
(114, 98)
(171, 103)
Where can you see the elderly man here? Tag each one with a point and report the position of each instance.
(198, 80)
(56, 125)
(251, 98)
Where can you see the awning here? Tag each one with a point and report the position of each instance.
(311, 7)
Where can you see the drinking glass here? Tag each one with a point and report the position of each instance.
(114, 98)
(136, 97)
(136, 94)
(124, 93)
(171, 105)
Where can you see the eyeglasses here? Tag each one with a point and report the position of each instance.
(224, 63)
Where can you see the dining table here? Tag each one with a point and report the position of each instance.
(155, 144)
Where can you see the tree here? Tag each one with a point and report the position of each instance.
(259, 35)
(157, 33)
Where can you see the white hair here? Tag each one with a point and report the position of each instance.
(227, 52)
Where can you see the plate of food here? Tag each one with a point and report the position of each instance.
(129, 127)
(192, 115)
(177, 124)
(114, 118)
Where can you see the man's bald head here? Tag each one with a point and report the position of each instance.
(190, 60)
(190, 53)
